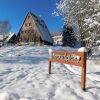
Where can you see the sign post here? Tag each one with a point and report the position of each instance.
(83, 71)
(72, 58)
(50, 57)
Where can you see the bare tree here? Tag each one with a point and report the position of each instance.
(4, 30)
(4, 27)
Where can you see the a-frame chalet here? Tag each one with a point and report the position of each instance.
(34, 30)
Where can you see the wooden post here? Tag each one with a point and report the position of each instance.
(49, 67)
(50, 57)
(81, 56)
(83, 70)
(83, 73)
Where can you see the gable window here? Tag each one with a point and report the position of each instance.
(26, 24)
(31, 30)
(21, 31)
(25, 31)
(29, 24)
(28, 16)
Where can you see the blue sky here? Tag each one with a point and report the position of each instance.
(16, 10)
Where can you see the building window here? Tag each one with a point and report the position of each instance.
(31, 30)
(29, 24)
(26, 24)
(25, 31)
(21, 31)
(28, 16)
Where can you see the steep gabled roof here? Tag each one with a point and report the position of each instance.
(23, 23)
(41, 26)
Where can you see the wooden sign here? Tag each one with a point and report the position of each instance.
(72, 58)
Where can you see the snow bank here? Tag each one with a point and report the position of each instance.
(8, 96)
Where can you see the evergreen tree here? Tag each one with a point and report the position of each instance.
(68, 36)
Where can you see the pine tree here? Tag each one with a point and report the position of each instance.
(68, 36)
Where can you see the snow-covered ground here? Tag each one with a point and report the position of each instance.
(24, 76)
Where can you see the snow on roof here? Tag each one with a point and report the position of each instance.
(9, 37)
(44, 32)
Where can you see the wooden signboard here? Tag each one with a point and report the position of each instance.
(72, 58)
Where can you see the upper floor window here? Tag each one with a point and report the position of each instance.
(28, 16)
(25, 31)
(31, 30)
(21, 31)
(26, 24)
(29, 24)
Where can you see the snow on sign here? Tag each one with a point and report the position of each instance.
(72, 58)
